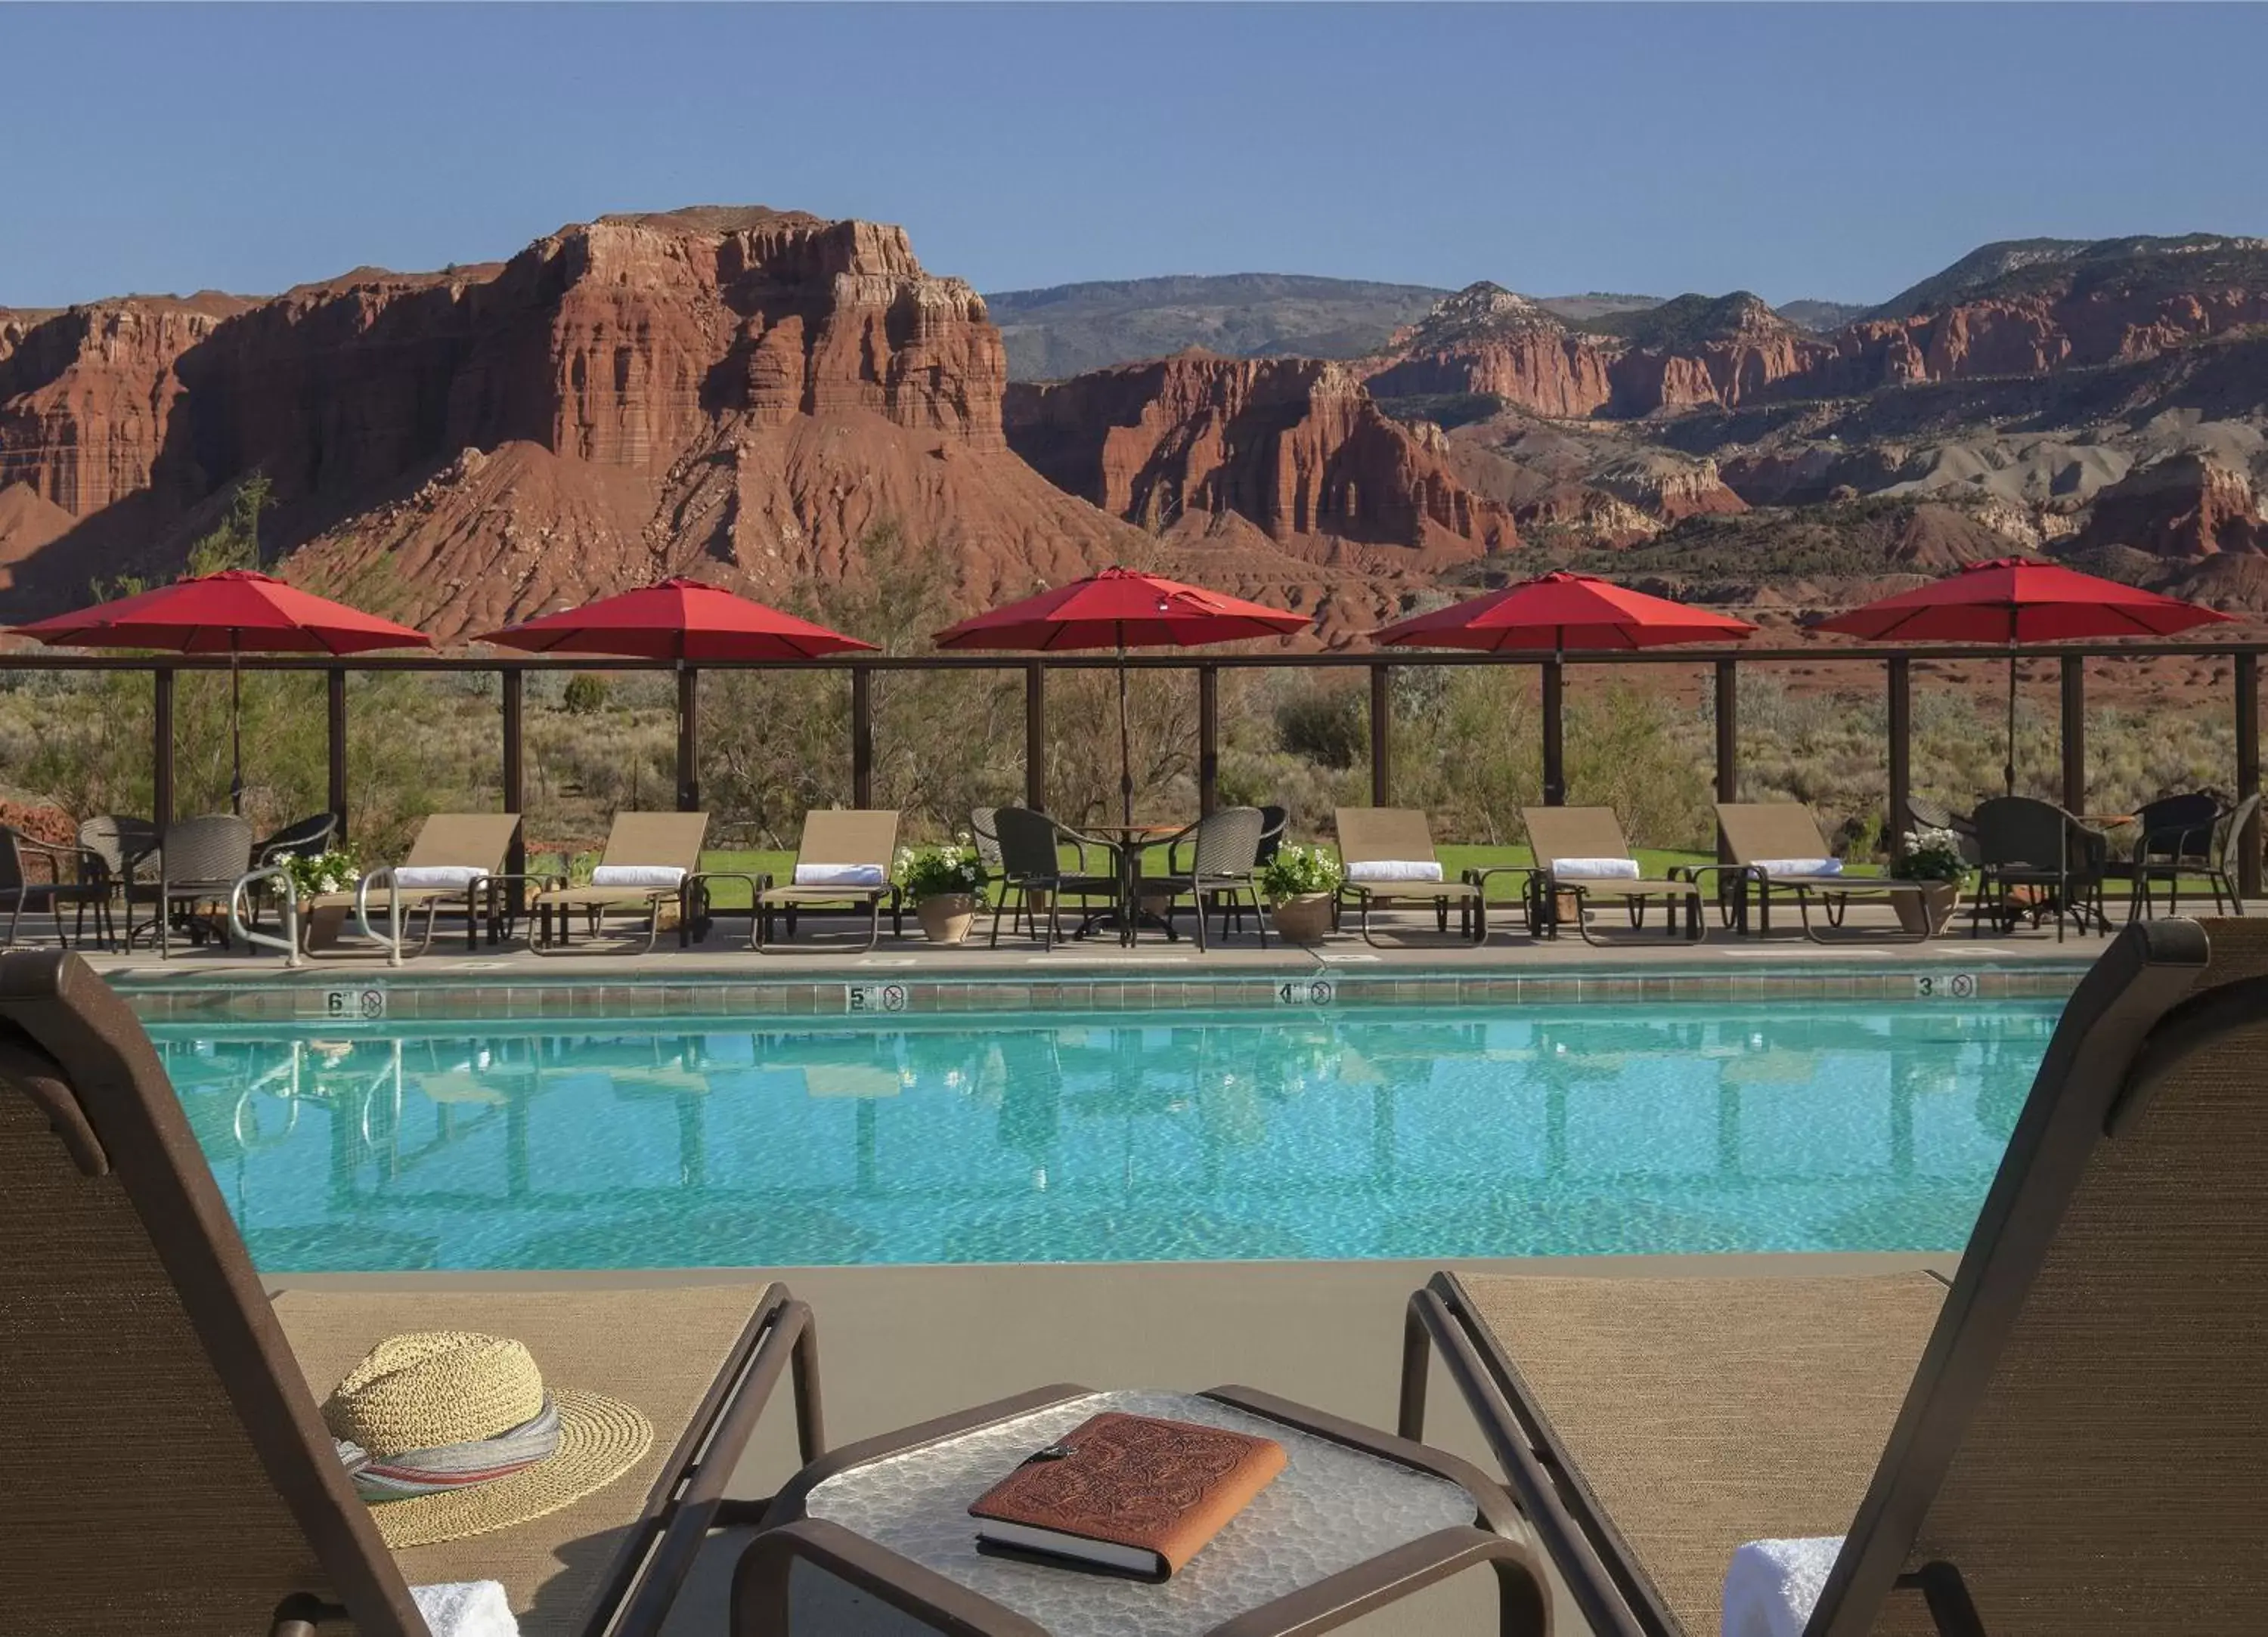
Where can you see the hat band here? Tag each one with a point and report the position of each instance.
(453, 1466)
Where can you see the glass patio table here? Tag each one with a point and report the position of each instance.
(1356, 1519)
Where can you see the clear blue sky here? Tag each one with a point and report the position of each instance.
(1838, 151)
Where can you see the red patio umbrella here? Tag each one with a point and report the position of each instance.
(2015, 600)
(235, 611)
(1559, 612)
(677, 618)
(1121, 608)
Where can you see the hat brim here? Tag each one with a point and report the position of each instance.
(599, 1440)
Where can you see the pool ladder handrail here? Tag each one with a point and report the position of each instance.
(294, 956)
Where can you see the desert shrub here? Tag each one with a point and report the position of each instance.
(1326, 722)
(585, 694)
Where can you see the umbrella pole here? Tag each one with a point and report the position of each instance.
(2008, 769)
(235, 731)
(1126, 747)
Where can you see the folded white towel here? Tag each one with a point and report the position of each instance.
(1595, 868)
(1773, 1585)
(1395, 869)
(438, 875)
(1800, 866)
(466, 1608)
(637, 875)
(839, 875)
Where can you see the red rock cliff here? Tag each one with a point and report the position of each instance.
(1293, 445)
(751, 389)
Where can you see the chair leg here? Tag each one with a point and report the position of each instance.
(1259, 920)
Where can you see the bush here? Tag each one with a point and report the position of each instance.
(1328, 725)
(585, 694)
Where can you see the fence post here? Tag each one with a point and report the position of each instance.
(2074, 733)
(689, 739)
(1036, 735)
(515, 778)
(1728, 743)
(335, 701)
(161, 749)
(1901, 687)
(1555, 722)
(862, 736)
(2248, 768)
(1208, 738)
(1381, 736)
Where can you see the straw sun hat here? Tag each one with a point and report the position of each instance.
(442, 1399)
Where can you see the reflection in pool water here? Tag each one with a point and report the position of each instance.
(1121, 1138)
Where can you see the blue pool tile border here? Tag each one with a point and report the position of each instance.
(411, 996)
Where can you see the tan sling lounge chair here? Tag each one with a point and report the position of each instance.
(1770, 841)
(459, 842)
(168, 1470)
(1372, 840)
(2067, 1442)
(1574, 847)
(838, 839)
(651, 842)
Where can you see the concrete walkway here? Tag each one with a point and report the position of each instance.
(900, 1345)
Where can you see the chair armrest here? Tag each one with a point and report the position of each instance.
(1695, 872)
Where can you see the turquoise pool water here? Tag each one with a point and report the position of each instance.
(1165, 1136)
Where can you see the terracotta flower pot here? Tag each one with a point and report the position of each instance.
(1929, 910)
(946, 918)
(1304, 919)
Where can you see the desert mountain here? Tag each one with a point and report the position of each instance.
(1067, 329)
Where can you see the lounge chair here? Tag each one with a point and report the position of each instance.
(1389, 858)
(168, 1473)
(651, 860)
(1779, 848)
(2066, 1442)
(1581, 851)
(842, 862)
(457, 859)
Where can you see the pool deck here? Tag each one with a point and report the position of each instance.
(1408, 944)
(900, 1345)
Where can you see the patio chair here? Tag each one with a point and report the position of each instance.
(650, 860)
(2229, 842)
(76, 877)
(169, 1470)
(2173, 837)
(842, 862)
(457, 859)
(1581, 850)
(2066, 1442)
(1924, 814)
(1778, 848)
(1276, 824)
(303, 838)
(2035, 848)
(200, 860)
(1387, 853)
(1031, 872)
(1223, 851)
(127, 848)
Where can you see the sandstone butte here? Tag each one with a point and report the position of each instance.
(741, 394)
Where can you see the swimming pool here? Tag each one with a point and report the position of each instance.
(1360, 1132)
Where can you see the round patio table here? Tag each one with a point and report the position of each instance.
(1126, 842)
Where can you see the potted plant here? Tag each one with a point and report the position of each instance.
(1931, 857)
(1300, 883)
(336, 870)
(942, 882)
